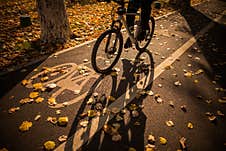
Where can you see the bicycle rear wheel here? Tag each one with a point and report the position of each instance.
(106, 51)
(142, 45)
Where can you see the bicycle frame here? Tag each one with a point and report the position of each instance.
(122, 21)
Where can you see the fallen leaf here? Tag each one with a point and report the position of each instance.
(158, 98)
(91, 113)
(183, 143)
(190, 125)
(131, 149)
(170, 123)
(13, 109)
(162, 140)
(49, 145)
(171, 104)
(52, 101)
(150, 147)
(111, 98)
(33, 95)
(62, 121)
(196, 81)
(84, 123)
(51, 86)
(151, 93)
(151, 139)
(184, 108)
(212, 118)
(200, 71)
(177, 83)
(58, 112)
(25, 126)
(160, 85)
(62, 138)
(37, 117)
(39, 100)
(26, 100)
(90, 101)
(77, 91)
(220, 113)
(25, 82)
(52, 120)
(188, 74)
(38, 86)
(44, 79)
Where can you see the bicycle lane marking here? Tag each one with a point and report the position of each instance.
(82, 135)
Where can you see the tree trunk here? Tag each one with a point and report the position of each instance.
(54, 22)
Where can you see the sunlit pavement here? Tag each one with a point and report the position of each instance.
(188, 98)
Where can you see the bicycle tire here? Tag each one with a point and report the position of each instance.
(96, 48)
(150, 34)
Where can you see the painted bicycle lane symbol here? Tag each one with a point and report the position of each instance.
(71, 80)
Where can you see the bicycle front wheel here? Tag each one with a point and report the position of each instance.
(142, 45)
(106, 51)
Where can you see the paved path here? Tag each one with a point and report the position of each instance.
(183, 43)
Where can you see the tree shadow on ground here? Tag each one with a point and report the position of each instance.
(131, 134)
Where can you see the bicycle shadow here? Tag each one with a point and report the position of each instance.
(129, 85)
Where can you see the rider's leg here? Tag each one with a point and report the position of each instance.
(145, 17)
(132, 8)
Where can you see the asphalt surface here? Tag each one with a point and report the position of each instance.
(199, 94)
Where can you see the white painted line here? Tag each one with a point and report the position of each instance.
(82, 135)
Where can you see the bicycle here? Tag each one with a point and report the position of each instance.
(110, 42)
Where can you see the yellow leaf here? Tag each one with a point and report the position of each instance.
(44, 79)
(38, 86)
(62, 121)
(91, 113)
(25, 126)
(190, 125)
(39, 100)
(52, 101)
(188, 74)
(162, 140)
(33, 95)
(111, 98)
(200, 71)
(37, 117)
(49, 145)
(170, 123)
(25, 82)
(131, 149)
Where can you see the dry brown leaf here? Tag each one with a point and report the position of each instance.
(212, 118)
(49, 145)
(25, 126)
(158, 98)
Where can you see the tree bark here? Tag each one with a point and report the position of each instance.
(54, 22)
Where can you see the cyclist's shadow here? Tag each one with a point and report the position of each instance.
(136, 76)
